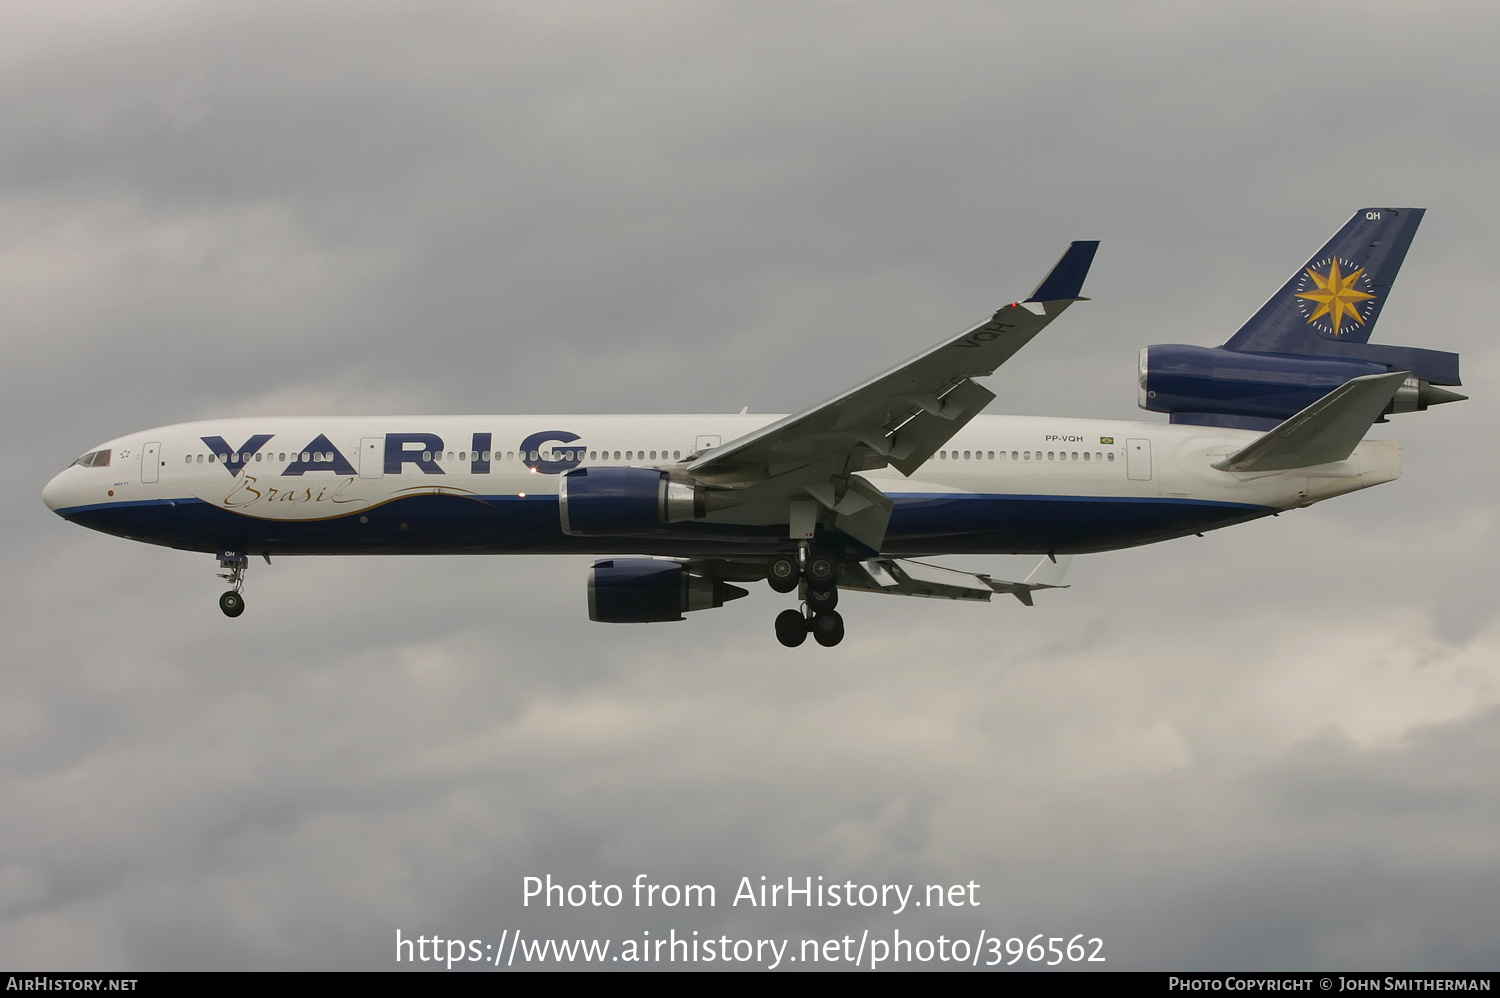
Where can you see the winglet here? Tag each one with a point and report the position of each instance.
(1066, 278)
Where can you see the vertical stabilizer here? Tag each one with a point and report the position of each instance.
(1339, 293)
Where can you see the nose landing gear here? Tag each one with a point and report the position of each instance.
(234, 563)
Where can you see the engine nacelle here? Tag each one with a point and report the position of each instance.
(647, 590)
(595, 502)
(1218, 387)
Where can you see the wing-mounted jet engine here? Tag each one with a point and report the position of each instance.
(650, 590)
(1311, 337)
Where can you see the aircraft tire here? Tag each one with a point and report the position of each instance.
(828, 628)
(782, 573)
(822, 570)
(232, 603)
(822, 600)
(791, 628)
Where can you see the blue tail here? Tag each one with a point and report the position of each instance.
(1309, 338)
(1338, 294)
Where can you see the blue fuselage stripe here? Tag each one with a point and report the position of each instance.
(922, 523)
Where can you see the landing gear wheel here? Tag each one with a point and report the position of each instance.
(822, 571)
(791, 628)
(828, 628)
(782, 573)
(232, 603)
(822, 600)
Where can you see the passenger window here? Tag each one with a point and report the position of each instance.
(1049, 455)
(627, 455)
(653, 455)
(1111, 455)
(677, 455)
(992, 455)
(1085, 455)
(966, 456)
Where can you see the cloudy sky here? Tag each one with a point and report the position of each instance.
(1270, 748)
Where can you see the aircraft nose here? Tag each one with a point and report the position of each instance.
(55, 492)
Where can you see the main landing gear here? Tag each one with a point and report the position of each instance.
(793, 627)
(234, 564)
(820, 573)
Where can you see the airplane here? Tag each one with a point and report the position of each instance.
(849, 495)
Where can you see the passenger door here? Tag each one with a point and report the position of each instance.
(151, 462)
(371, 457)
(1138, 459)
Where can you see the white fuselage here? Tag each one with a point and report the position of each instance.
(387, 484)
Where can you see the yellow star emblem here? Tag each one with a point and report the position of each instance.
(1335, 296)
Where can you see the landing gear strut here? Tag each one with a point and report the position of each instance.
(234, 564)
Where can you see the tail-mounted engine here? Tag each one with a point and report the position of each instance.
(1215, 386)
(645, 590)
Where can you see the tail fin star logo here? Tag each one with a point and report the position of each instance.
(1332, 296)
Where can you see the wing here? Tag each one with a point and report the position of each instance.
(915, 578)
(804, 462)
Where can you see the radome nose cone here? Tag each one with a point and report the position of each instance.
(53, 492)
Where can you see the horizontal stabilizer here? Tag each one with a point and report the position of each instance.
(900, 577)
(1328, 430)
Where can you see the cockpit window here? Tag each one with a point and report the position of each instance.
(94, 459)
